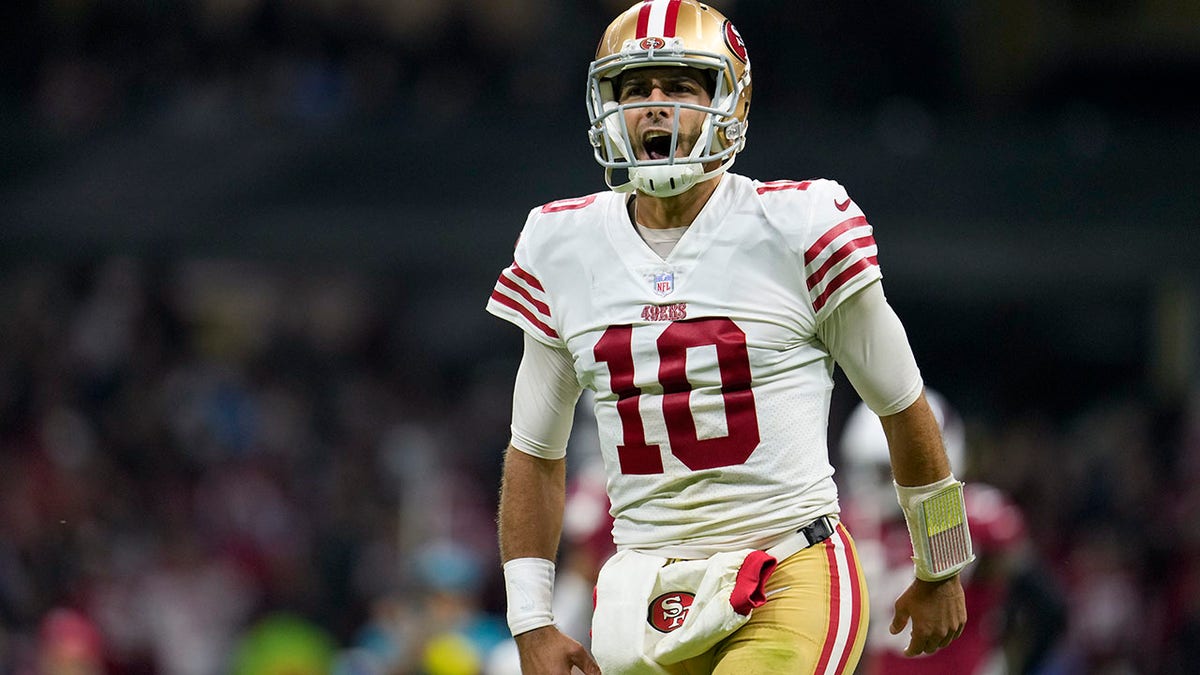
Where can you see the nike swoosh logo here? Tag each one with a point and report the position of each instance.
(842, 206)
(768, 594)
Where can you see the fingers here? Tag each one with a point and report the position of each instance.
(926, 646)
(937, 612)
(920, 643)
(951, 636)
(584, 662)
(546, 650)
(928, 643)
(588, 667)
(580, 658)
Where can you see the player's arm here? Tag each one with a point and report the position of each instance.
(866, 338)
(915, 445)
(934, 602)
(532, 497)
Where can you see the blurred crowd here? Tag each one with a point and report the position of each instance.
(1110, 495)
(225, 465)
(197, 65)
(218, 467)
(201, 460)
(77, 66)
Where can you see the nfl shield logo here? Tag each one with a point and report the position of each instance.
(663, 283)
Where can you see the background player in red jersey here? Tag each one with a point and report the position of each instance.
(1016, 612)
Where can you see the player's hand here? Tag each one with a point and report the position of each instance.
(547, 651)
(938, 611)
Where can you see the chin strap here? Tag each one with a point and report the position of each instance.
(667, 180)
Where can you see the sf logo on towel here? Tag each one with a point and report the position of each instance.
(668, 611)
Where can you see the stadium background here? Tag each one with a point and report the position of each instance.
(249, 399)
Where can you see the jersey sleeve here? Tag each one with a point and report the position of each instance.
(519, 296)
(867, 340)
(840, 256)
(544, 397)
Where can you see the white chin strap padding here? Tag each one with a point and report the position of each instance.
(665, 181)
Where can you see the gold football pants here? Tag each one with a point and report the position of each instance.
(814, 620)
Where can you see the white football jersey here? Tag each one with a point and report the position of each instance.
(712, 389)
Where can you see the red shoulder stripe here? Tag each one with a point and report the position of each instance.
(526, 277)
(513, 304)
(837, 257)
(833, 233)
(509, 283)
(776, 185)
(841, 279)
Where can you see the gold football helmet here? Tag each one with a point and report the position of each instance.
(660, 33)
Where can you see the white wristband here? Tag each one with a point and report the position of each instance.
(936, 515)
(529, 585)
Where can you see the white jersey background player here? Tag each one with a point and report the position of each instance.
(706, 310)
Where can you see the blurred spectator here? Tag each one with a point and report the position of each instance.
(194, 604)
(69, 644)
(283, 644)
(436, 626)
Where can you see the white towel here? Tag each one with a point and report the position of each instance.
(649, 614)
(619, 627)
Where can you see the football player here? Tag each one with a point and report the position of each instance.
(1005, 590)
(705, 310)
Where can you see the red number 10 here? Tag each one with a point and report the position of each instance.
(741, 420)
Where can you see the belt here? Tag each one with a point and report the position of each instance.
(810, 535)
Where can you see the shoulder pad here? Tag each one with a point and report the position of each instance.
(782, 185)
(571, 204)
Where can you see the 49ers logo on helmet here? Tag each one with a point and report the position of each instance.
(652, 43)
(733, 40)
(668, 611)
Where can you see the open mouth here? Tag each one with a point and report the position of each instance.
(657, 145)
